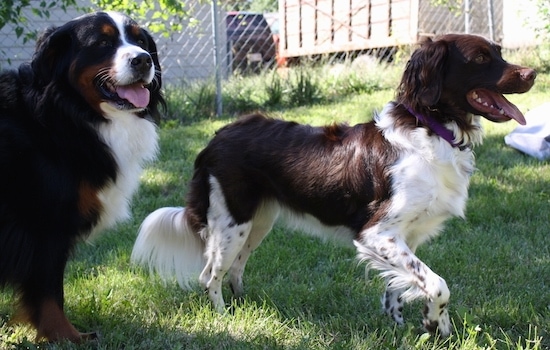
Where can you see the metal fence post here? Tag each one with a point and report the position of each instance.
(490, 19)
(217, 58)
(467, 16)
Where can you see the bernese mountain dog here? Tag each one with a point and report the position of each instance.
(77, 125)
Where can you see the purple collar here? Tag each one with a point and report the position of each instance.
(435, 126)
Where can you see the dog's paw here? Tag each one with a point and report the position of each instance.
(441, 325)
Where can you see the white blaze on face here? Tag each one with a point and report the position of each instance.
(126, 86)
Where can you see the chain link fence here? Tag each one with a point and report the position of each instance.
(219, 41)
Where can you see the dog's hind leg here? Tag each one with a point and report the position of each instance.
(392, 302)
(262, 223)
(225, 239)
(405, 272)
(237, 268)
(223, 245)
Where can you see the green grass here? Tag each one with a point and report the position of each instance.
(305, 294)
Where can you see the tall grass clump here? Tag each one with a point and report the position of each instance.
(275, 90)
(189, 102)
(303, 87)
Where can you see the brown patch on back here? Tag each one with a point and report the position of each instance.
(334, 132)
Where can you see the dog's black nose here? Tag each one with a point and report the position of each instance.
(142, 63)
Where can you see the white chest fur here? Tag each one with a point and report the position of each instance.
(133, 142)
(429, 182)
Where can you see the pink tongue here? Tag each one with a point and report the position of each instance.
(495, 105)
(136, 94)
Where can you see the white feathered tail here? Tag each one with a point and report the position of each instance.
(167, 245)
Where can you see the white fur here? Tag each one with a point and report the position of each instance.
(170, 247)
(441, 176)
(222, 232)
(133, 142)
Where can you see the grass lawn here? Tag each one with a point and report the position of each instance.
(305, 294)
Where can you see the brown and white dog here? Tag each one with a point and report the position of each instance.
(387, 185)
(77, 125)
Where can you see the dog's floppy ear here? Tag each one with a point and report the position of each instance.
(152, 49)
(422, 80)
(51, 56)
(155, 87)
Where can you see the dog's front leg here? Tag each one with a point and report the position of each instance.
(408, 278)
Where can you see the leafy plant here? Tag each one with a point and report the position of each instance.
(543, 7)
(165, 15)
(13, 12)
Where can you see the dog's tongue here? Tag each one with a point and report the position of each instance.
(495, 106)
(136, 94)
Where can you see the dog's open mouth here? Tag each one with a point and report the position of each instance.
(132, 96)
(494, 106)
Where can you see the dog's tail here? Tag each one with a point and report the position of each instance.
(168, 246)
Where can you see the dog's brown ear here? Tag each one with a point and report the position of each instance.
(422, 80)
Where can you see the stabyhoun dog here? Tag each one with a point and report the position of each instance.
(76, 125)
(387, 185)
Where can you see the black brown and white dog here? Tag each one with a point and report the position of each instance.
(387, 185)
(77, 125)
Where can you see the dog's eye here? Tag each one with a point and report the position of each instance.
(479, 59)
(142, 42)
(104, 43)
